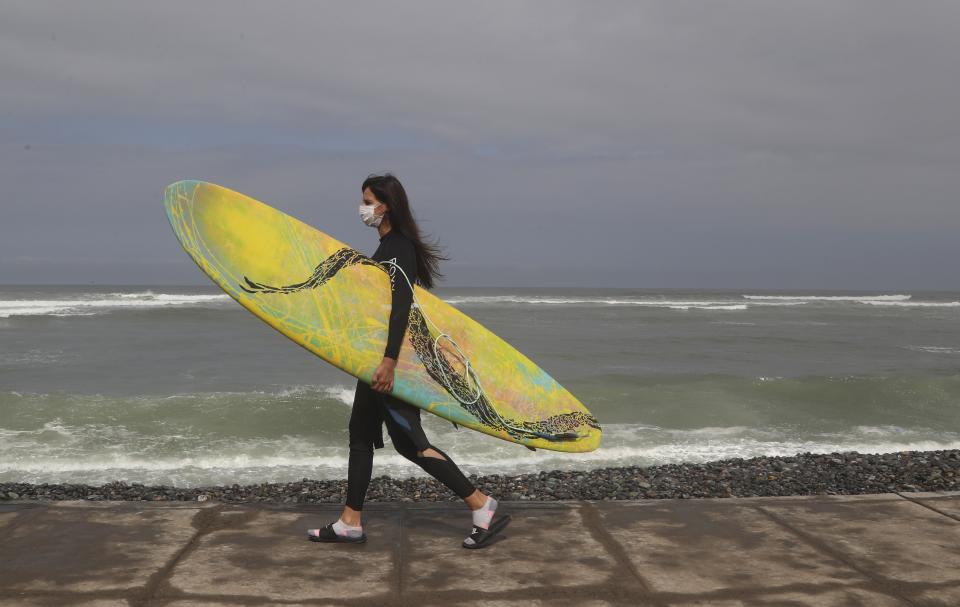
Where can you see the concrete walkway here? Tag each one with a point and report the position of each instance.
(871, 550)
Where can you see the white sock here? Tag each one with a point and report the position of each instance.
(341, 528)
(484, 514)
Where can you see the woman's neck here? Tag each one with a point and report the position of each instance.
(384, 227)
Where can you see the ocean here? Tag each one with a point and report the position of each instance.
(182, 386)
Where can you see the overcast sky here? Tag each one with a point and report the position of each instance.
(788, 145)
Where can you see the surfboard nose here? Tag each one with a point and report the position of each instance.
(176, 195)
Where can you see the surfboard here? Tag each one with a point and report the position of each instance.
(335, 302)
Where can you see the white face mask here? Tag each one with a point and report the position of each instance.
(368, 216)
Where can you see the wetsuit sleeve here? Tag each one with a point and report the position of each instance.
(405, 256)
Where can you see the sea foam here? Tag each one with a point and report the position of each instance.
(100, 303)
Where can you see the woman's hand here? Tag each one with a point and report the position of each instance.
(383, 376)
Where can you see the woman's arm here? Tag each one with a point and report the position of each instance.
(401, 298)
(401, 295)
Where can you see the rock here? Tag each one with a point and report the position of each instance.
(801, 474)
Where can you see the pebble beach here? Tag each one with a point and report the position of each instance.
(843, 473)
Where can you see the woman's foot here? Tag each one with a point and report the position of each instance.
(484, 514)
(338, 532)
(484, 525)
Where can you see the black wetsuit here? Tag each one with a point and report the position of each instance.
(371, 409)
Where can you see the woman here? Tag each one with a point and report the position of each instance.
(385, 208)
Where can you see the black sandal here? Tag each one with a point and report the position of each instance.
(327, 534)
(480, 537)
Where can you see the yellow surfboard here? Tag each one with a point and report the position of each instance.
(335, 302)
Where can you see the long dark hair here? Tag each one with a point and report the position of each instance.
(388, 190)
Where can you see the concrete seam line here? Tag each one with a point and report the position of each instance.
(205, 517)
(592, 520)
(926, 505)
(401, 566)
(886, 586)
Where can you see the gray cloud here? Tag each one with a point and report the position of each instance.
(695, 144)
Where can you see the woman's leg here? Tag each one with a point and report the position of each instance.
(403, 424)
(364, 417)
(365, 433)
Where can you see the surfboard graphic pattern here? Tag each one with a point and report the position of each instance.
(335, 302)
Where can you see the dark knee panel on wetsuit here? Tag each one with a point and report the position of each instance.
(361, 446)
(406, 435)
(407, 451)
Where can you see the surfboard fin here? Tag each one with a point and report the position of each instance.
(455, 425)
(531, 448)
